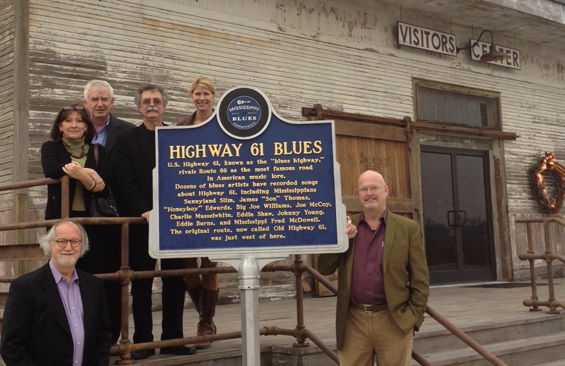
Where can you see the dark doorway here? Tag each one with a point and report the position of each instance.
(457, 215)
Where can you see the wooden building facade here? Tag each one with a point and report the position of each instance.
(453, 136)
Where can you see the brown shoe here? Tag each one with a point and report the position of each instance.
(206, 326)
(204, 329)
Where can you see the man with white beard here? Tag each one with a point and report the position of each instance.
(57, 305)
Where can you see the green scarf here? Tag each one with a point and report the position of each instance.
(76, 147)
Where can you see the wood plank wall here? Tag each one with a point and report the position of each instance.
(6, 88)
(7, 28)
(342, 55)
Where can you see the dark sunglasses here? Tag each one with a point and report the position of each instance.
(70, 107)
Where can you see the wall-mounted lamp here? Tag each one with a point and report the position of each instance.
(493, 54)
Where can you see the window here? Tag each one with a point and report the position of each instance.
(457, 107)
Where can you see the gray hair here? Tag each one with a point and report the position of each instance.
(100, 85)
(150, 87)
(45, 241)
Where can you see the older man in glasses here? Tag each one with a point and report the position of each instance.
(57, 315)
(134, 161)
(383, 282)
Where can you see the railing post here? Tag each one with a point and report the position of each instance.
(125, 275)
(65, 199)
(549, 261)
(301, 341)
(531, 260)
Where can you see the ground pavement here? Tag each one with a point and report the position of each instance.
(462, 305)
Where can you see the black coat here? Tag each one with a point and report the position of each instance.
(35, 329)
(53, 157)
(115, 128)
(133, 161)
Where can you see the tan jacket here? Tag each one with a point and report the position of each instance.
(405, 273)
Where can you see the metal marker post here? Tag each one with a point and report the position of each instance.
(249, 285)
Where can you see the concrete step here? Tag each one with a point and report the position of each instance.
(515, 353)
(438, 340)
(555, 363)
(518, 342)
(270, 356)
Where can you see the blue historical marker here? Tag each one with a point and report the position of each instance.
(246, 183)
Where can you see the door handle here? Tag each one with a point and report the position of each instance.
(461, 217)
(451, 220)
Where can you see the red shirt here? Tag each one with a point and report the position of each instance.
(367, 283)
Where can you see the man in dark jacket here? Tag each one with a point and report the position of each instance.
(134, 160)
(57, 315)
(99, 100)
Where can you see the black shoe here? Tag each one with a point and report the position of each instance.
(143, 354)
(179, 351)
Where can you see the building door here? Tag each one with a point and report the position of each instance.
(370, 143)
(457, 215)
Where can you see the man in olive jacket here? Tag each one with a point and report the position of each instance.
(383, 282)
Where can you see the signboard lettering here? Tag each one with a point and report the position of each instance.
(426, 39)
(246, 182)
(481, 48)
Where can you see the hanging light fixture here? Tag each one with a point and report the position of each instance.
(493, 54)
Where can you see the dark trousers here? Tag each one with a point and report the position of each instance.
(104, 256)
(174, 289)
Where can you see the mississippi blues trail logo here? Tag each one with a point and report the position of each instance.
(244, 113)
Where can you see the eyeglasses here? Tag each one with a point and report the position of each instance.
(63, 242)
(71, 107)
(373, 189)
(156, 101)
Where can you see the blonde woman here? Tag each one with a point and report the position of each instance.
(203, 290)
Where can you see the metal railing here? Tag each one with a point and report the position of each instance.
(435, 315)
(549, 257)
(125, 275)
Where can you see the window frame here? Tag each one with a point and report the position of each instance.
(464, 91)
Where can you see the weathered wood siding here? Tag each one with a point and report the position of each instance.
(7, 28)
(6, 88)
(341, 54)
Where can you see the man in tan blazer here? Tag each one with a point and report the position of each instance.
(383, 282)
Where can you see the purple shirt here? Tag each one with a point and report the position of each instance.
(72, 302)
(367, 284)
